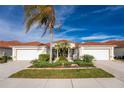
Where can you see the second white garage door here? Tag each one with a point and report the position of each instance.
(98, 54)
(27, 54)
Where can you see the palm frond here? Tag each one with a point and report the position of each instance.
(40, 15)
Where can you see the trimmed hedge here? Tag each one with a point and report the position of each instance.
(41, 64)
(84, 64)
(4, 59)
(44, 57)
(87, 58)
(62, 59)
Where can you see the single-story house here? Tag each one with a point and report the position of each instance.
(119, 49)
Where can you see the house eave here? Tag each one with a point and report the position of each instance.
(27, 46)
(98, 45)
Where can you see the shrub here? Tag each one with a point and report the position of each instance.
(87, 58)
(62, 59)
(34, 61)
(41, 64)
(3, 59)
(84, 64)
(77, 60)
(9, 58)
(44, 57)
(122, 57)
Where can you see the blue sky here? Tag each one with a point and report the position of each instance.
(79, 24)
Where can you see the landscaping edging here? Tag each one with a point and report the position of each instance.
(64, 68)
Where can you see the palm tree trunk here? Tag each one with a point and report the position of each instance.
(51, 40)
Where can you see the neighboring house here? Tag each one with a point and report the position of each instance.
(100, 51)
(119, 49)
(5, 51)
(6, 47)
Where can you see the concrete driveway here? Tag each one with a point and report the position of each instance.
(114, 67)
(9, 68)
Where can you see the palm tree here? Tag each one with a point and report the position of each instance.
(42, 16)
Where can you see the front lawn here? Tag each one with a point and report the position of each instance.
(66, 73)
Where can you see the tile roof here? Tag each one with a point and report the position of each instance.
(77, 44)
(48, 44)
(8, 44)
(62, 41)
(95, 43)
(31, 44)
(119, 43)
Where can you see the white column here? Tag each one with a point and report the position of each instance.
(57, 53)
(112, 53)
(14, 53)
(81, 52)
(68, 53)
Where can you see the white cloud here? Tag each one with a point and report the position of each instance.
(9, 31)
(68, 29)
(101, 37)
(107, 9)
(112, 39)
(63, 12)
(60, 36)
(110, 8)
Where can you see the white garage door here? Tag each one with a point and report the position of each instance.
(27, 54)
(98, 54)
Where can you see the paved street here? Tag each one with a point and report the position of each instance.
(12, 67)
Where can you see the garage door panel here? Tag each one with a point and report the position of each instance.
(98, 54)
(27, 54)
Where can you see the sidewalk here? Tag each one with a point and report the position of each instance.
(62, 83)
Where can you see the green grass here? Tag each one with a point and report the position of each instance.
(68, 73)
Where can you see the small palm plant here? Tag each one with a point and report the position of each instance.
(62, 48)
